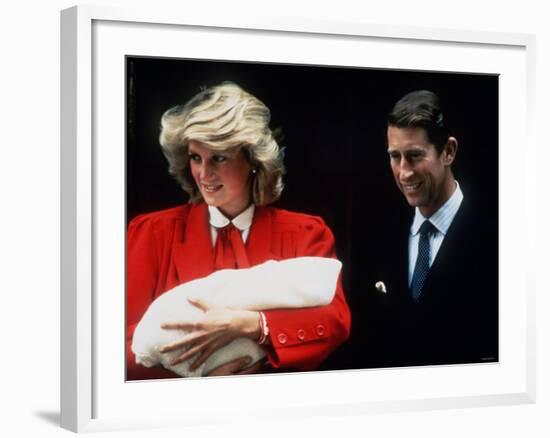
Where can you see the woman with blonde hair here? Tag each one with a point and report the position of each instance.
(222, 152)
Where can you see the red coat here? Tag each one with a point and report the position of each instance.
(171, 247)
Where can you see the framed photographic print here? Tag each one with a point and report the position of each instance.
(333, 93)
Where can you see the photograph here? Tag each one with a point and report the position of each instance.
(298, 218)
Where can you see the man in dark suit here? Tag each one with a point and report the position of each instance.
(430, 295)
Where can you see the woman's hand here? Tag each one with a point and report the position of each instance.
(217, 328)
(237, 367)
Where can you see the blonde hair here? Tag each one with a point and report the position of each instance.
(224, 118)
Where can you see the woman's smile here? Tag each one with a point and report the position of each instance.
(211, 188)
(223, 177)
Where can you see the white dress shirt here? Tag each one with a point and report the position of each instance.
(243, 222)
(441, 220)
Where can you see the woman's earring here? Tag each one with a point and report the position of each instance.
(254, 171)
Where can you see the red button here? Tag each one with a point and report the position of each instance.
(301, 334)
(282, 338)
(320, 329)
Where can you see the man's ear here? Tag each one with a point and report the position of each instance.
(449, 151)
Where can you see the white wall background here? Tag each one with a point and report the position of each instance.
(29, 217)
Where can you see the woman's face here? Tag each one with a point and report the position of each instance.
(222, 178)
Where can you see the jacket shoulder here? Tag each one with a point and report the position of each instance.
(291, 219)
(161, 218)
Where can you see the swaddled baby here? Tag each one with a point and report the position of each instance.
(291, 283)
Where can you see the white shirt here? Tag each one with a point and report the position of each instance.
(243, 222)
(441, 220)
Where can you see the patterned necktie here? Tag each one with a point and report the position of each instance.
(229, 250)
(422, 265)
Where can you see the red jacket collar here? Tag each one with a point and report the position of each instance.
(194, 256)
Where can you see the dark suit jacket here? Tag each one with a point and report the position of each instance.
(456, 320)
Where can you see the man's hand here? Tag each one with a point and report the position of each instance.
(217, 328)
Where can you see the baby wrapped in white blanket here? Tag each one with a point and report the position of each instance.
(292, 283)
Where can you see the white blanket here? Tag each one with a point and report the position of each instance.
(292, 283)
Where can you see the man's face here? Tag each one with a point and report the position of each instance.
(420, 172)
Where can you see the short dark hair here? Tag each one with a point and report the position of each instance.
(421, 109)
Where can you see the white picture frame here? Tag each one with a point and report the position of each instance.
(86, 179)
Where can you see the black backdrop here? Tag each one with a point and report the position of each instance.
(334, 125)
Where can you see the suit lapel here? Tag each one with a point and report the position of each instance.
(446, 257)
(258, 245)
(403, 259)
(194, 257)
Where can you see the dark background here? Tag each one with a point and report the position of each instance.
(333, 121)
